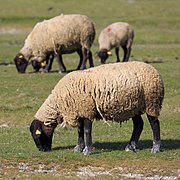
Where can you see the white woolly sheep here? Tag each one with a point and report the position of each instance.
(62, 34)
(115, 92)
(119, 34)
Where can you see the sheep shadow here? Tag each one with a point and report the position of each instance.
(59, 148)
(168, 144)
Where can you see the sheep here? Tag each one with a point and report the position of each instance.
(115, 92)
(119, 34)
(60, 35)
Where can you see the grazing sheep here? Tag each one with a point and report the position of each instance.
(62, 34)
(116, 35)
(115, 92)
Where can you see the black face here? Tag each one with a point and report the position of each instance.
(21, 63)
(36, 65)
(41, 136)
(103, 55)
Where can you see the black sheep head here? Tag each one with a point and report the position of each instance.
(42, 135)
(37, 65)
(103, 55)
(21, 63)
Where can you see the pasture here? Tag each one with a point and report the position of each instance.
(157, 41)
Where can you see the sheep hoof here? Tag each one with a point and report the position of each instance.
(154, 150)
(87, 150)
(44, 71)
(77, 148)
(156, 147)
(131, 146)
(62, 71)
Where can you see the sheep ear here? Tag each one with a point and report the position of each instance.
(38, 132)
(109, 53)
(20, 56)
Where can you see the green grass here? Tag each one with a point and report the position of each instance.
(157, 41)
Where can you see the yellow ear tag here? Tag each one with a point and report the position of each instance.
(38, 132)
(109, 53)
(21, 56)
(43, 64)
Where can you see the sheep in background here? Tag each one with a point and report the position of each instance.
(119, 34)
(114, 92)
(62, 34)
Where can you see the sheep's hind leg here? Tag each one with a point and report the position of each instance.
(155, 125)
(88, 129)
(80, 145)
(137, 129)
(81, 58)
(91, 64)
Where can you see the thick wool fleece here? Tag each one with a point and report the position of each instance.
(115, 91)
(66, 33)
(115, 35)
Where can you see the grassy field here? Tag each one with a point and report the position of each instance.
(157, 41)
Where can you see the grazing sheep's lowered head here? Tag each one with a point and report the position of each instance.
(42, 135)
(117, 35)
(21, 63)
(103, 54)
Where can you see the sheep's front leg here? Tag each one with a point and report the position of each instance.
(49, 62)
(80, 145)
(137, 129)
(127, 52)
(88, 130)
(62, 67)
(81, 58)
(155, 125)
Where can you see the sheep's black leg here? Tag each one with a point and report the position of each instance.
(155, 125)
(127, 52)
(81, 58)
(62, 67)
(80, 145)
(49, 62)
(88, 129)
(137, 129)
(85, 57)
(117, 54)
(91, 64)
